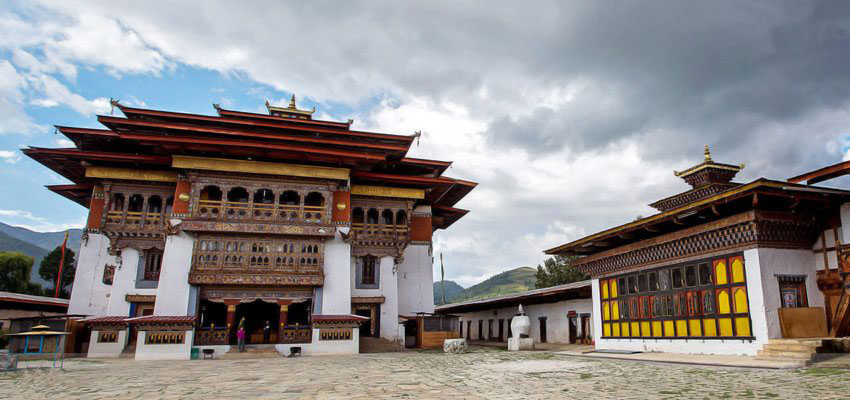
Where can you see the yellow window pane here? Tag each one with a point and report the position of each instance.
(615, 310)
(669, 328)
(615, 330)
(604, 289)
(742, 326)
(720, 273)
(710, 327)
(696, 327)
(740, 300)
(635, 329)
(681, 328)
(625, 328)
(613, 288)
(606, 313)
(606, 330)
(656, 328)
(725, 325)
(644, 329)
(723, 302)
(737, 270)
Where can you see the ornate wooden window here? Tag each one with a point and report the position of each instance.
(367, 268)
(153, 264)
(258, 253)
(792, 289)
(705, 299)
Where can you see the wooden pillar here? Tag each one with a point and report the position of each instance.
(284, 317)
(98, 200)
(341, 207)
(180, 206)
(231, 316)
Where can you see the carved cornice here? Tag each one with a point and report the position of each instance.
(253, 227)
(197, 278)
(130, 174)
(140, 298)
(257, 167)
(386, 191)
(747, 230)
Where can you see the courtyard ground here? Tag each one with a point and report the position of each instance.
(483, 373)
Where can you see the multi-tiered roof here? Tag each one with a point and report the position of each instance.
(147, 139)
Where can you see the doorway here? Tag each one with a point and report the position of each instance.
(373, 312)
(257, 314)
(501, 330)
(585, 328)
(138, 310)
(542, 329)
(573, 329)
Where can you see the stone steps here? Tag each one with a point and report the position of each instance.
(252, 351)
(796, 350)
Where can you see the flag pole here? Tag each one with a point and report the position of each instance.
(61, 264)
(443, 277)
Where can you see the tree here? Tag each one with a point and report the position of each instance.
(15, 269)
(49, 269)
(558, 270)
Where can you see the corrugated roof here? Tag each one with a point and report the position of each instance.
(28, 298)
(517, 296)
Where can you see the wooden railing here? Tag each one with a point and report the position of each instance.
(293, 334)
(206, 336)
(237, 210)
(135, 218)
(380, 230)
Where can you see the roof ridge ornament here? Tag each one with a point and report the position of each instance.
(708, 172)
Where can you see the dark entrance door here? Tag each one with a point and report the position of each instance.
(573, 329)
(585, 328)
(256, 314)
(501, 330)
(542, 329)
(469, 330)
(480, 329)
(365, 328)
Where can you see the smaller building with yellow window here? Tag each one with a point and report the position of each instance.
(721, 268)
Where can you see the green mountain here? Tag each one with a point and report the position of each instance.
(36, 244)
(452, 291)
(512, 281)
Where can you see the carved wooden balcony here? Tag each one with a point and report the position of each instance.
(257, 260)
(206, 336)
(293, 334)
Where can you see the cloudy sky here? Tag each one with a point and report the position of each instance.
(572, 115)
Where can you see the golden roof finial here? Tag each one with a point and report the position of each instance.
(292, 102)
(707, 153)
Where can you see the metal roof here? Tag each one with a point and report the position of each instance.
(535, 294)
(28, 298)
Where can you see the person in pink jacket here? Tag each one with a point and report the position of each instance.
(240, 336)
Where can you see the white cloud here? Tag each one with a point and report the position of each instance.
(62, 142)
(10, 156)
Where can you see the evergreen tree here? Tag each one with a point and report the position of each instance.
(558, 270)
(49, 269)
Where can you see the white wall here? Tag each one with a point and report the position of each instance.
(124, 283)
(163, 351)
(783, 262)
(387, 287)
(764, 301)
(106, 350)
(90, 296)
(336, 346)
(557, 322)
(336, 292)
(172, 293)
(416, 280)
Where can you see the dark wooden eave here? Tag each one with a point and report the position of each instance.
(275, 123)
(823, 174)
(80, 194)
(762, 193)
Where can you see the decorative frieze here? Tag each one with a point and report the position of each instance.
(747, 230)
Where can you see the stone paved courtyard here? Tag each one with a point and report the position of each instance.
(481, 374)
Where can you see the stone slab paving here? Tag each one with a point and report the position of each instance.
(481, 374)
